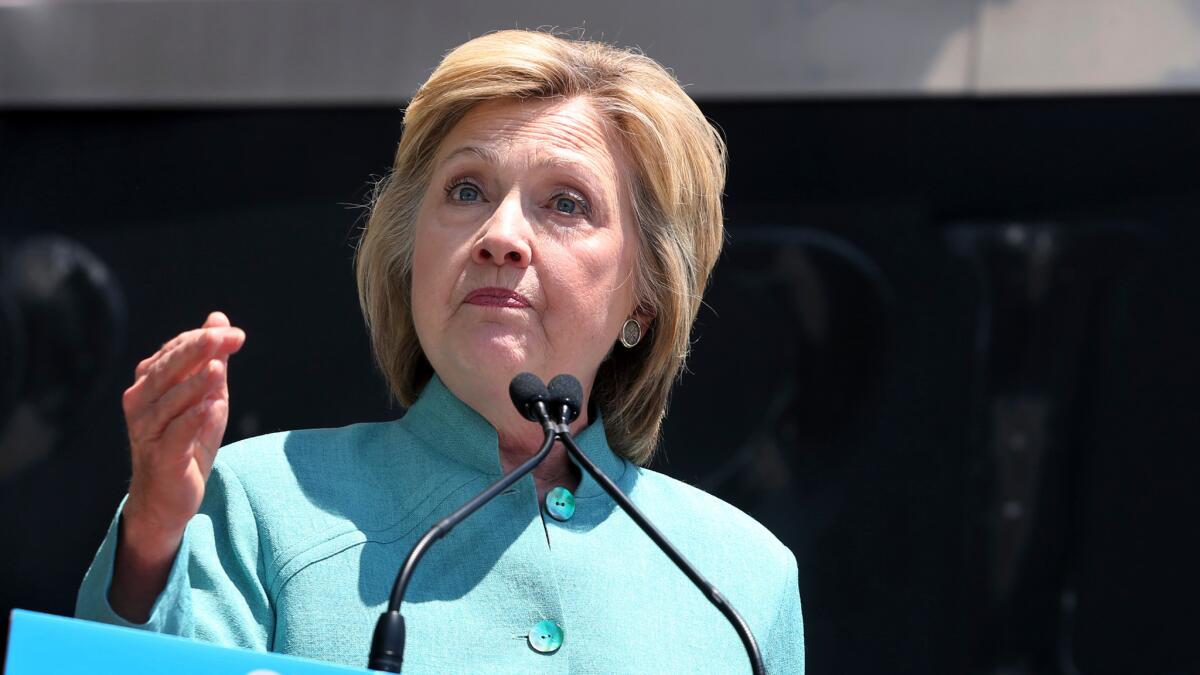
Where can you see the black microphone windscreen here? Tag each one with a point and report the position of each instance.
(566, 390)
(525, 390)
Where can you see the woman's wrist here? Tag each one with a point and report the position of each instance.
(145, 553)
(148, 540)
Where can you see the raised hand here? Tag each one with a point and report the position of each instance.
(176, 411)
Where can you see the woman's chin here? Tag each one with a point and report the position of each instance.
(495, 349)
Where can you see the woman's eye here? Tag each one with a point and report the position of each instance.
(565, 205)
(464, 193)
(571, 205)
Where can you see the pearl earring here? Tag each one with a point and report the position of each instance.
(631, 333)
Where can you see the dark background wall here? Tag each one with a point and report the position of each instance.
(961, 335)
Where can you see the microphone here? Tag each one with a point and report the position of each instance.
(530, 396)
(566, 395)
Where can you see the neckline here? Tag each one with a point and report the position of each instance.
(455, 430)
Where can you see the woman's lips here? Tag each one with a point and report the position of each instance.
(496, 297)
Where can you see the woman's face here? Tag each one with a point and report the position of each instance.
(525, 245)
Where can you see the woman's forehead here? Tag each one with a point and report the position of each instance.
(535, 132)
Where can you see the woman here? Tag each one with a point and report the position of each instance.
(554, 208)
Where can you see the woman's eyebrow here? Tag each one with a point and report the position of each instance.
(583, 169)
(486, 154)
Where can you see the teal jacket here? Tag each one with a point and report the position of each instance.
(301, 533)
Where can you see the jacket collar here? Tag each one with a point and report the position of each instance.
(455, 430)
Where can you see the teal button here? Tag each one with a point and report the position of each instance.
(546, 637)
(560, 503)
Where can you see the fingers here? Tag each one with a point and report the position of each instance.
(167, 346)
(212, 431)
(219, 320)
(227, 338)
(181, 433)
(207, 382)
(178, 436)
(214, 320)
(190, 351)
(199, 429)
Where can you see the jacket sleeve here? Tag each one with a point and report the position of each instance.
(214, 591)
(783, 650)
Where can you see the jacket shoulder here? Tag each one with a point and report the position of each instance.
(722, 526)
(302, 447)
(364, 473)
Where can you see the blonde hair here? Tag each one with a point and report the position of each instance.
(678, 175)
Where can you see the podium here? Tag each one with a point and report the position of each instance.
(44, 644)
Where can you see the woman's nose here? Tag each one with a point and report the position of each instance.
(505, 237)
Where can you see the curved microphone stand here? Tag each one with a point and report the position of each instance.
(565, 395)
(530, 397)
(387, 644)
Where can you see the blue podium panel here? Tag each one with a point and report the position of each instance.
(49, 645)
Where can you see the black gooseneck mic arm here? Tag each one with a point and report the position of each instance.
(531, 397)
(565, 396)
(387, 645)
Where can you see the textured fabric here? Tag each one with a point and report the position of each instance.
(301, 534)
